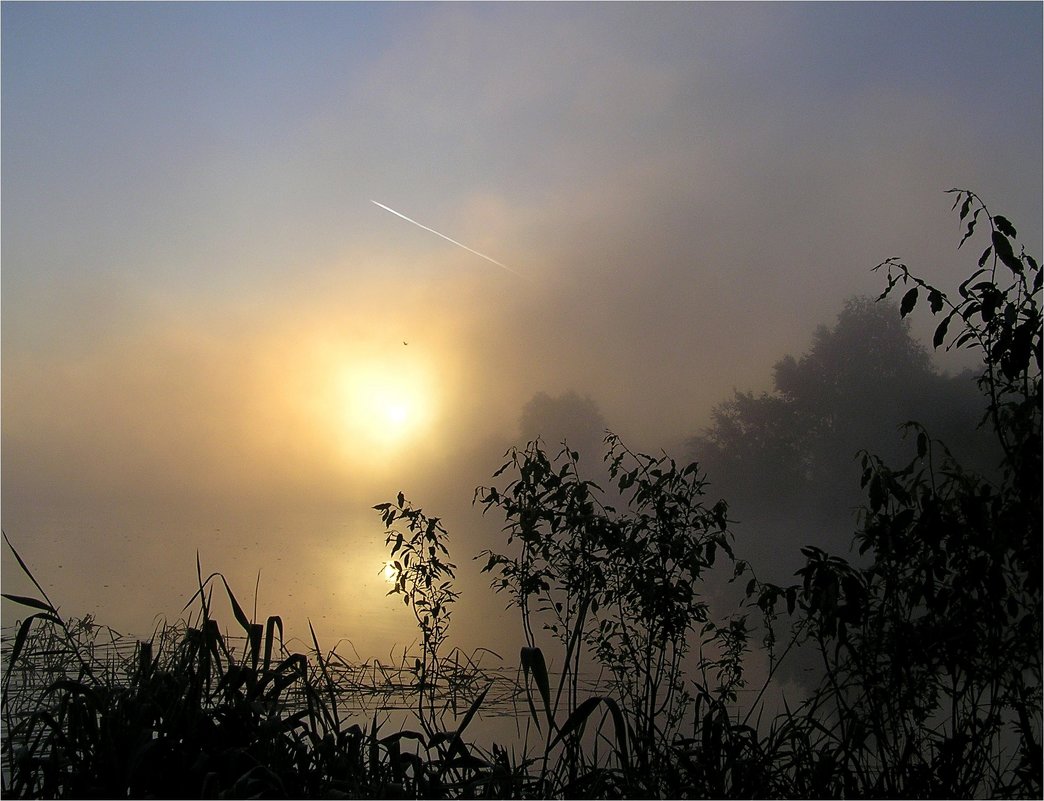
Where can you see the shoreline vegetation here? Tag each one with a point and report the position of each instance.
(929, 648)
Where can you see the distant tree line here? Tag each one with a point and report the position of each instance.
(786, 460)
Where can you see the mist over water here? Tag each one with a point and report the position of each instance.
(196, 285)
(618, 450)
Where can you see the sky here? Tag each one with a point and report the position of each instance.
(214, 340)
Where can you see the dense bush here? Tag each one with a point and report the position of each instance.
(932, 652)
(621, 588)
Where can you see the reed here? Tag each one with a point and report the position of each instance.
(195, 711)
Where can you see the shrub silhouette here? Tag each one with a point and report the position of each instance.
(621, 588)
(932, 653)
(931, 646)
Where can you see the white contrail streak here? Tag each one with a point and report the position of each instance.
(454, 241)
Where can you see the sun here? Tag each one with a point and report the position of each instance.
(396, 413)
(389, 572)
(392, 410)
(386, 406)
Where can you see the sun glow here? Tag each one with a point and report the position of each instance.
(389, 572)
(387, 405)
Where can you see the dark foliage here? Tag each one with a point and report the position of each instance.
(854, 387)
(930, 646)
(196, 713)
(621, 588)
(932, 652)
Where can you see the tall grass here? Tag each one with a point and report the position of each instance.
(193, 712)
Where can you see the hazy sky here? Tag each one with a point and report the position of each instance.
(204, 315)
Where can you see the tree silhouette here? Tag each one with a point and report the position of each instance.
(932, 651)
(567, 417)
(790, 454)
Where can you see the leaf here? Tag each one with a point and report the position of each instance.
(579, 716)
(935, 301)
(533, 660)
(329, 712)
(25, 568)
(1003, 249)
(19, 642)
(237, 610)
(877, 495)
(908, 302)
(964, 206)
(812, 552)
(404, 733)
(940, 332)
(963, 288)
(30, 602)
(990, 303)
(971, 228)
(273, 622)
(472, 710)
(73, 688)
(1004, 226)
(621, 731)
(375, 763)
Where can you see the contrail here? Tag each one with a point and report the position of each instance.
(454, 241)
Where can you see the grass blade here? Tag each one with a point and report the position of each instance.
(25, 568)
(273, 622)
(19, 642)
(332, 713)
(583, 712)
(472, 710)
(24, 600)
(533, 660)
(237, 610)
